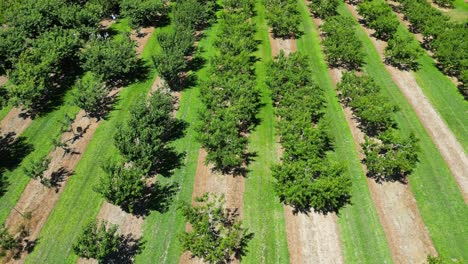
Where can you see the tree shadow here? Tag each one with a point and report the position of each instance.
(156, 197)
(128, 248)
(13, 150)
(58, 177)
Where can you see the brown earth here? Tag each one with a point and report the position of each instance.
(398, 213)
(15, 122)
(39, 200)
(3, 80)
(442, 136)
(313, 237)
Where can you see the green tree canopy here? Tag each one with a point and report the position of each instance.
(97, 241)
(216, 236)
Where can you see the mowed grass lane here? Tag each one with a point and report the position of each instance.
(438, 197)
(263, 212)
(161, 229)
(38, 136)
(362, 235)
(78, 203)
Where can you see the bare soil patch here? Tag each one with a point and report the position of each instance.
(398, 213)
(15, 122)
(441, 135)
(277, 45)
(3, 80)
(142, 38)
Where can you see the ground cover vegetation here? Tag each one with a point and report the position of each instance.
(446, 39)
(230, 97)
(217, 236)
(283, 18)
(307, 178)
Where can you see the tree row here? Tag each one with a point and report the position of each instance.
(307, 178)
(229, 94)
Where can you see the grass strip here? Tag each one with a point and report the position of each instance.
(437, 195)
(362, 235)
(78, 203)
(263, 212)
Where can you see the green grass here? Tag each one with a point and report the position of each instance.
(460, 11)
(160, 230)
(78, 203)
(362, 236)
(438, 197)
(445, 97)
(39, 136)
(263, 212)
(4, 111)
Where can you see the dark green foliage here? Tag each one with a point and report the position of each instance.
(342, 48)
(283, 17)
(324, 8)
(451, 50)
(12, 43)
(374, 111)
(391, 157)
(146, 138)
(36, 170)
(38, 74)
(216, 235)
(306, 178)
(171, 62)
(122, 186)
(143, 12)
(115, 60)
(193, 14)
(230, 96)
(97, 242)
(92, 96)
(379, 17)
(7, 242)
(403, 51)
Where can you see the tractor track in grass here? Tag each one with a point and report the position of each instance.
(442, 136)
(312, 237)
(398, 213)
(39, 200)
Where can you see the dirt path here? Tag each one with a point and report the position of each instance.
(442, 136)
(398, 213)
(313, 237)
(15, 122)
(40, 200)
